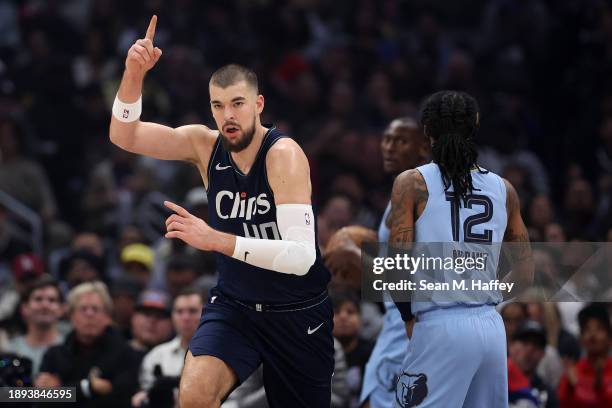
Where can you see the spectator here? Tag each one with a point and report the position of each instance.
(23, 179)
(137, 260)
(92, 356)
(527, 349)
(82, 266)
(546, 273)
(347, 326)
(579, 210)
(151, 324)
(83, 241)
(520, 394)
(568, 313)
(343, 259)
(560, 343)
(165, 361)
(338, 211)
(124, 293)
(26, 269)
(513, 314)
(90, 242)
(196, 202)
(588, 383)
(41, 309)
(554, 232)
(325, 230)
(180, 274)
(540, 212)
(130, 234)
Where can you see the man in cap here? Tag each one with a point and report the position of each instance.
(526, 350)
(151, 324)
(165, 361)
(137, 260)
(26, 268)
(124, 292)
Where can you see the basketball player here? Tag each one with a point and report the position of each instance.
(403, 146)
(457, 351)
(270, 306)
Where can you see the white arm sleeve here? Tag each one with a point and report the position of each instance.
(294, 253)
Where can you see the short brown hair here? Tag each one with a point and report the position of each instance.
(43, 282)
(191, 291)
(231, 74)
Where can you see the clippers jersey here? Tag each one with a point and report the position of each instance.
(481, 220)
(243, 205)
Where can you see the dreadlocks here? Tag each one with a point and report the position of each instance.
(450, 119)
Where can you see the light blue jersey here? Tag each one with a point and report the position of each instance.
(457, 353)
(385, 363)
(481, 220)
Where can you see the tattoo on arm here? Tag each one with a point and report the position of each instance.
(516, 246)
(516, 232)
(406, 234)
(420, 190)
(407, 189)
(520, 251)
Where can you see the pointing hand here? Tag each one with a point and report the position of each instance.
(142, 55)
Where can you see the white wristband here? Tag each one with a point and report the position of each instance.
(127, 112)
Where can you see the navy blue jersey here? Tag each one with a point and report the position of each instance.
(243, 205)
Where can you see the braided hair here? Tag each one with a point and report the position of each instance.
(450, 119)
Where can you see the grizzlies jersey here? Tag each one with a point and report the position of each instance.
(383, 230)
(243, 205)
(481, 219)
(384, 364)
(383, 237)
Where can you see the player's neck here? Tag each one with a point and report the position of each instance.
(245, 158)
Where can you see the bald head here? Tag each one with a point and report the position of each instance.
(407, 123)
(403, 145)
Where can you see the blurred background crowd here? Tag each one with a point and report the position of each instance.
(75, 209)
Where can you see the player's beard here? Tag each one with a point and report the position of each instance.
(242, 143)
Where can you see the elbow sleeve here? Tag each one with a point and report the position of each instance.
(294, 254)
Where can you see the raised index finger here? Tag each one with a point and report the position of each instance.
(151, 29)
(177, 209)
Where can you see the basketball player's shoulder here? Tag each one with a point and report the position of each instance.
(201, 135)
(202, 138)
(411, 179)
(512, 197)
(285, 151)
(410, 184)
